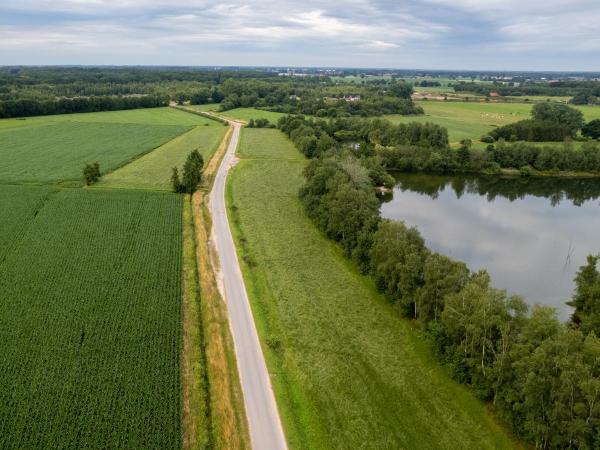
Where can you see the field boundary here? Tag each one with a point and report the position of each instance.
(196, 414)
(228, 427)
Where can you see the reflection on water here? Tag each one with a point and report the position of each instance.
(530, 234)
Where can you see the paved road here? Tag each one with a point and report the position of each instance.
(266, 431)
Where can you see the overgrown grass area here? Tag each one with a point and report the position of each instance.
(471, 120)
(56, 148)
(90, 320)
(347, 370)
(153, 170)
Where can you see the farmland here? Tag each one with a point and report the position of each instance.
(153, 170)
(347, 369)
(54, 149)
(95, 295)
(90, 319)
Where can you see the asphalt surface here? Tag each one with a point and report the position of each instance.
(266, 431)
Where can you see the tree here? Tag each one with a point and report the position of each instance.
(176, 185)
(192, 172)
(559, 391)
(91, 173)
(478, 321)
(558, 114)
(442, 276)
(397, 259)
(586, 299)
(592, 129)
(464, 152)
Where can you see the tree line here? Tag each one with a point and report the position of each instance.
(556, 190)
(28, 108)
(542, 376)
(424, 147)
(315, 136)
(584, 92)
(549, 122)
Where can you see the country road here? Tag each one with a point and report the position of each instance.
(266, 431)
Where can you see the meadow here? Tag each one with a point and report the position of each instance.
(348, 372)
(472, 120)
(56, 148)
(90, 319)
(153, 170)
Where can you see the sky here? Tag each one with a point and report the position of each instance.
(421, 34)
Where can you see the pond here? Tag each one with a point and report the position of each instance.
(531, 234)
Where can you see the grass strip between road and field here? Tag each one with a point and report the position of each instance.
(227, 426)
(194, 390)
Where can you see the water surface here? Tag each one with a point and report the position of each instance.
(530, 234)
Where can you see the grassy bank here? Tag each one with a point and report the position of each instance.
(347, 370)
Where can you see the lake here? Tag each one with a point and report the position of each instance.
(531, 234)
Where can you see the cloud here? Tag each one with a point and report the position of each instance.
(413, 33)
(381, 44)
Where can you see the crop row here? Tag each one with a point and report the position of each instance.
(90, 324)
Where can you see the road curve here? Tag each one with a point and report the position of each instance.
(266, 431)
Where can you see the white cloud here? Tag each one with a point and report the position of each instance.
(425, 33)
(381, 44)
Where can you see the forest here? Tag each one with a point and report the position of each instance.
(30, 91)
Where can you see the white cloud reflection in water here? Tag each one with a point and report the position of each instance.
(528, 246)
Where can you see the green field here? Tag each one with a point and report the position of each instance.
(55, 148)
(348, 372)
(153, 170)
(241, 113)
(90, 319)
(471, 120)
(150, 116)
(19, 206)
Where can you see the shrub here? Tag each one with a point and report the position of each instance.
(91, 173)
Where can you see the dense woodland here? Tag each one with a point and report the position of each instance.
(542, 377)
(30, 91)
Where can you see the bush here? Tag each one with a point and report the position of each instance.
(591, 129)
(91, 173)
(526, 171)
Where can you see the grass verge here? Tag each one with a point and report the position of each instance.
(194, 388)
